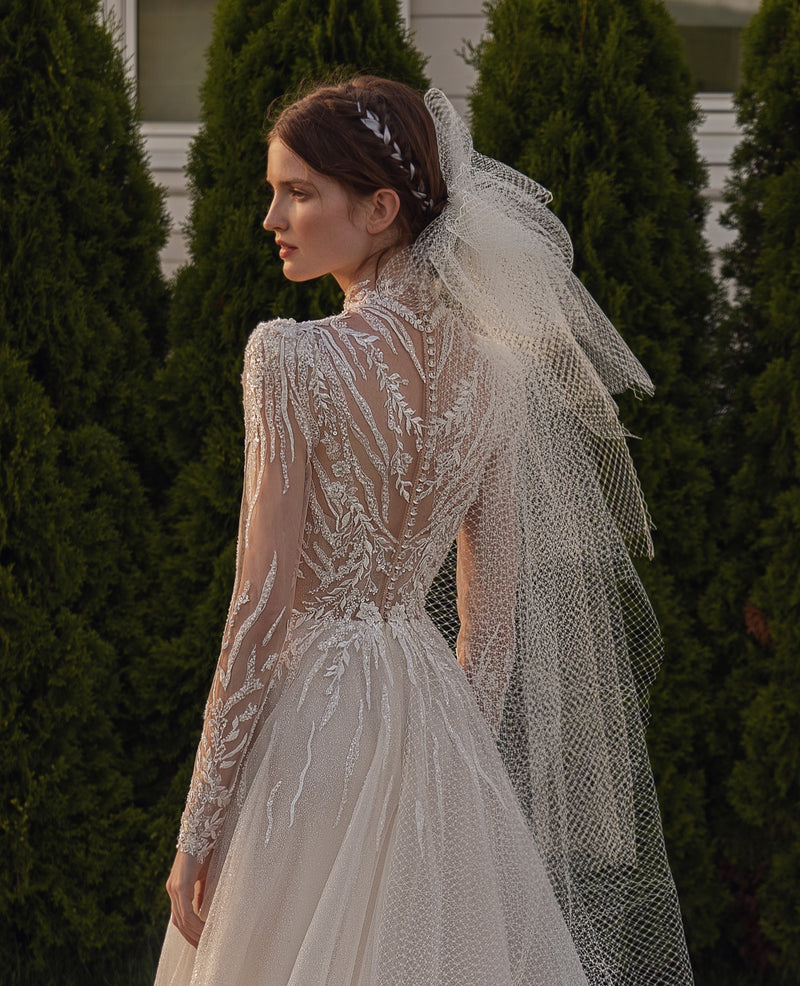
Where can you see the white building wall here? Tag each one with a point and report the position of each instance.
(441, 29)
(168, 148)
(717, 137)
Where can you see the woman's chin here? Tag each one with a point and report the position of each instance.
(296, 275)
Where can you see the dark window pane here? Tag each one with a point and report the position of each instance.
(172, 39)
(713, 54)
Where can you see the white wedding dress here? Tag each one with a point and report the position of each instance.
(362, 826)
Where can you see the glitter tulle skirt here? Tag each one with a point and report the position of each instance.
(375, 838)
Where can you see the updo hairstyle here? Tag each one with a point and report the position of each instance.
(395, 148)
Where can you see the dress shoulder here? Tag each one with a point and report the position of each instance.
(279, 365)
(270, 339)
(281, 343)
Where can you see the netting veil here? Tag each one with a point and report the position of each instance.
(567, 701)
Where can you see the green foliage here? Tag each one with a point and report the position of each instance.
(754, 604)
(81, 301)
(595, 101)
(259, 52)
(135, 966)
(77, 192)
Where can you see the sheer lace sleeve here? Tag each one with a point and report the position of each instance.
(270, 533)
(486, 579)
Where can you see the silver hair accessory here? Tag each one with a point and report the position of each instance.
(372, 122)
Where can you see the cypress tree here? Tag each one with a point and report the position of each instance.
(596, 103)
(259, 52)
(82, 302)
(755, 602)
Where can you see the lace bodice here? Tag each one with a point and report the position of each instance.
(372, 439)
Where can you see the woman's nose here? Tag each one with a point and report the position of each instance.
(272, 220)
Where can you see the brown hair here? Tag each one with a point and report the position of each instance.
(326, 129)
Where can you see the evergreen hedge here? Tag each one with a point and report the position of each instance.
(82, 306)
(595, 101)
(259, 52)
(754, 605)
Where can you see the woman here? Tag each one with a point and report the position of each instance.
(350, 819)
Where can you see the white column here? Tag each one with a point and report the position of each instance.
(122, 15)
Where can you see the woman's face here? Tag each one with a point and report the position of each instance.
(319, 228)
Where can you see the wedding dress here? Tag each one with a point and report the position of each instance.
(398, 782)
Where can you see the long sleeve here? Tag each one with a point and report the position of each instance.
(486, 581)
(274, 502)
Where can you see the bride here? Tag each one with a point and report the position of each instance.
(415, 770)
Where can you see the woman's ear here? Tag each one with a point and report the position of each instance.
(383, 208)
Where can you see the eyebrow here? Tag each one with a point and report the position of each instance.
(290, 181)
